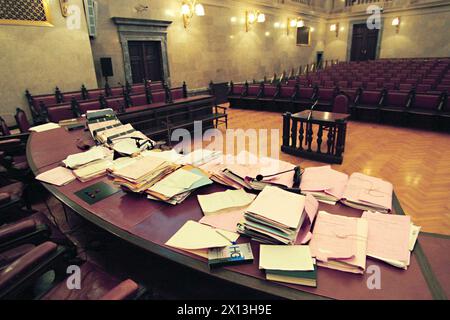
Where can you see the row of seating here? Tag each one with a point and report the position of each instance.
(425, 76)
(382, 103)
(120, 104)
(58, 97)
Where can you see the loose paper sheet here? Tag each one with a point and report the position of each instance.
(193, 235)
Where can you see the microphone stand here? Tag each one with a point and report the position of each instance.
(312, 108)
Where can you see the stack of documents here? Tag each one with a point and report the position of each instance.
(93, 170)
(193, 236)
(58, 176)
(325, 184)
(78, 160)
(44, 127)
(177, 186)
(290, 264)
(216, 169)
(274, 217)
(226, 209)
(368, 193)
(200, 157)
(247, 166)
(340, 242)
(139, 175)
(391, 238)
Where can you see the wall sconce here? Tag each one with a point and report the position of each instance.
(253, 16)
(64, 7)
(294, 23)
(189, 8)
(335, 28)
(396, 24)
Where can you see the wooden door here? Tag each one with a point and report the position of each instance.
(145, 60)
(364, 43)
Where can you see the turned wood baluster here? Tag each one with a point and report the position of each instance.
(330, 140)
(309, 136)
(301, 135)
(294, 134)
(319, 138)
(286, 128)
(340, 140)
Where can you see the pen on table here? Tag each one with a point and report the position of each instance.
(232, 242)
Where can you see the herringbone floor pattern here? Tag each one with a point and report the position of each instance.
(417, 162)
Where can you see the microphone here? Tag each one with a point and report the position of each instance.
(312, 108)
(297, 175)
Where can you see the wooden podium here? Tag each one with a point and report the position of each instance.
(303, 135)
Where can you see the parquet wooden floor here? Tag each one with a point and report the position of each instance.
(417, 162)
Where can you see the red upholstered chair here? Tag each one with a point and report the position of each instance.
(95, 94)
(292, 83)
(177, 93)
(343, 84)
(137, 88)
(156, 86)
(325, 97)
(116, 92)
(423, 88)
(367, 103)
(22, 120)
(286, 93)
(60, 112)
(341, 104)
(357, 84)
(117, 104)
(371, 85)
(329, 84)
(443, 88)
(389, 86)
(425, 103)
(237, 90)
(68, 96)
(406, 87)
(89, 105)
(138, 100)
(4, 127)
(159, 97)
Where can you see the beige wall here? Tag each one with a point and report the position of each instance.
(213, 47)
(423, 33)
(39, 58)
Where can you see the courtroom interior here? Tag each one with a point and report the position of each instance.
(224, 149)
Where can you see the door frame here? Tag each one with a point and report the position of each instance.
(350, 37)
(131, 29)
(161, 62)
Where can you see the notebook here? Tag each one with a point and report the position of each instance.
(340, 242)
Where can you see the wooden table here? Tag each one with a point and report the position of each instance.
(149, 224)
(298, 135)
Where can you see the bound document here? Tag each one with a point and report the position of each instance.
(324, 183)
(340, 242)
(274, 217)
(368, 193)
(389, 238)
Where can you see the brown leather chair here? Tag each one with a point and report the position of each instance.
(18, 279)
(22, 120)
(4, 128)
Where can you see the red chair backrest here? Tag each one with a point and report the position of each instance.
(340, 104)
(60, 112)
(22, 120)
